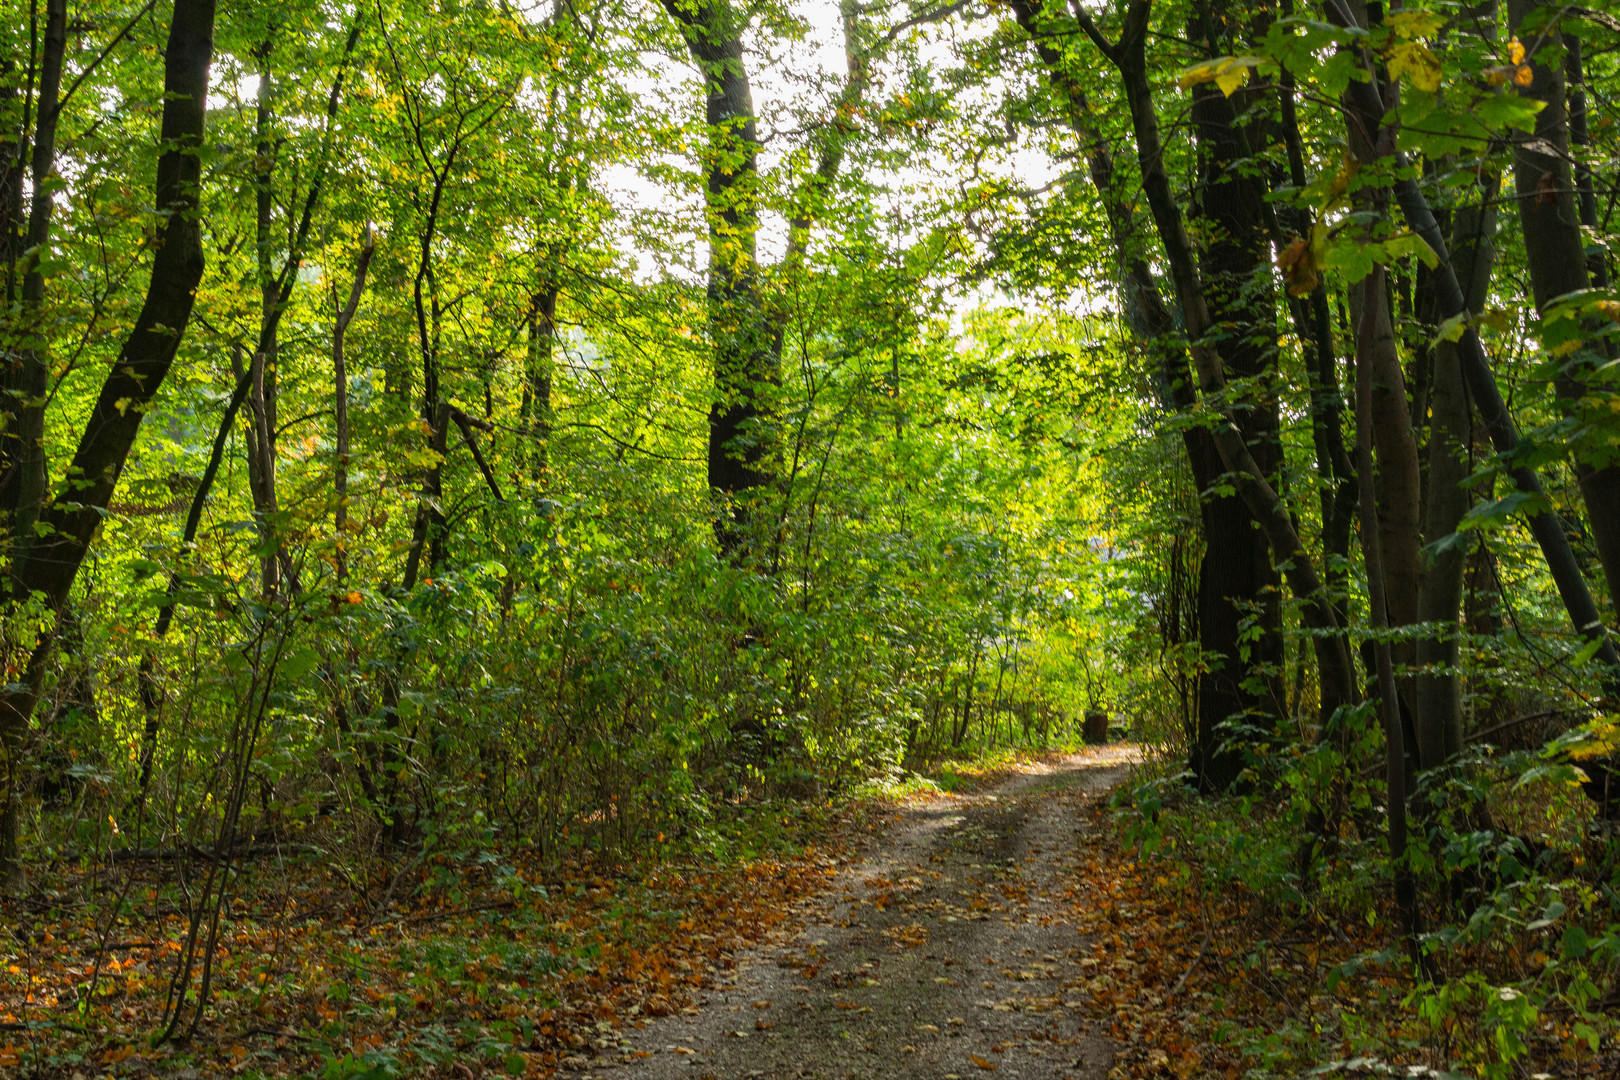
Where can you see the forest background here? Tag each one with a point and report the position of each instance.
(439, 431)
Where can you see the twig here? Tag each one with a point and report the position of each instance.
(250, 1032)
(1182, 982)
(191, 852)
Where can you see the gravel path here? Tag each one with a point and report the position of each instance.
(944, 951)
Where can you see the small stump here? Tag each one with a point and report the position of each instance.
(1095, 730)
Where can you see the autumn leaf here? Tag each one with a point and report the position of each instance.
(1414, 61)
(1298, 266)
(1228, 73)
(987, 1066)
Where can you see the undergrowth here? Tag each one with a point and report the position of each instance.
(1520, 934)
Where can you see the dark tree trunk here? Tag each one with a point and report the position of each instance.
(261, 436)
(68, 523)
(1238, 587)
(25, 381)
(1545, 193)
(745, 369)
(340, 402)
(1437, 705)
(1252, 484)
(1236, 580)
(535, 414)
(1544, 523)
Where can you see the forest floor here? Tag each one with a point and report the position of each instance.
(1012, 927)
(949, 949)
(937, 935)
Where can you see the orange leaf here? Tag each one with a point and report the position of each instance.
(987, 1066)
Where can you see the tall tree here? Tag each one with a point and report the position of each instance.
(745, 369)
(47, 565)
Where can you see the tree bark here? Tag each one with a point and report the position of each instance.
(1268, 509)
(1437, 704)
(1545, 194)
(1405, 888)
(535, 410)
(1236, 576)
(745, 371)
(340, 402)
(26, 380)
(1544, 523)
(69, 521)
(1238, 586)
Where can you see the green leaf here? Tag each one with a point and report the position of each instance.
(1509, 111)
(1549, 916)
(1413, 244)
(1452, 329)
(1496, 512)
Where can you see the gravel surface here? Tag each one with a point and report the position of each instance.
(943, 951)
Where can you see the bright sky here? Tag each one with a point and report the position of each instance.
(799, 74)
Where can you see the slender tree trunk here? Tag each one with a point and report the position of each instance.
(1236, 578)
(1545, 194)
(1597, 265)
(1268, 509)
(1239, 600)
(150, 692)
(535, 410)
(262, 365)
(340, 402)
(1544, 523)
(25, 381)
(13, 151)
(745, 371)
(1397, 482)
(1405, 888)
(1438, 702)
(51, 563)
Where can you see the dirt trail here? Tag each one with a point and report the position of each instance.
(942, 952)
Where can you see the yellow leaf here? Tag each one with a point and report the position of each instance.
(1415, 24)
(1420, 66)
(1516, 51)
(1453, 329)
(1232, 78)
(1196, 74)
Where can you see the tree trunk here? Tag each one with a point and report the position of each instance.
(1545, 193)
(340, 402)
(745, 371)
(69, 522)
(1437, 704)
(535, 410)
(261, 442)
(25, 382)
(1238, 594)
(1236, 576)
(1544, 524)
(1268, 510)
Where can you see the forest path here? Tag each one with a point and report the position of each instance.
(946, 950)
